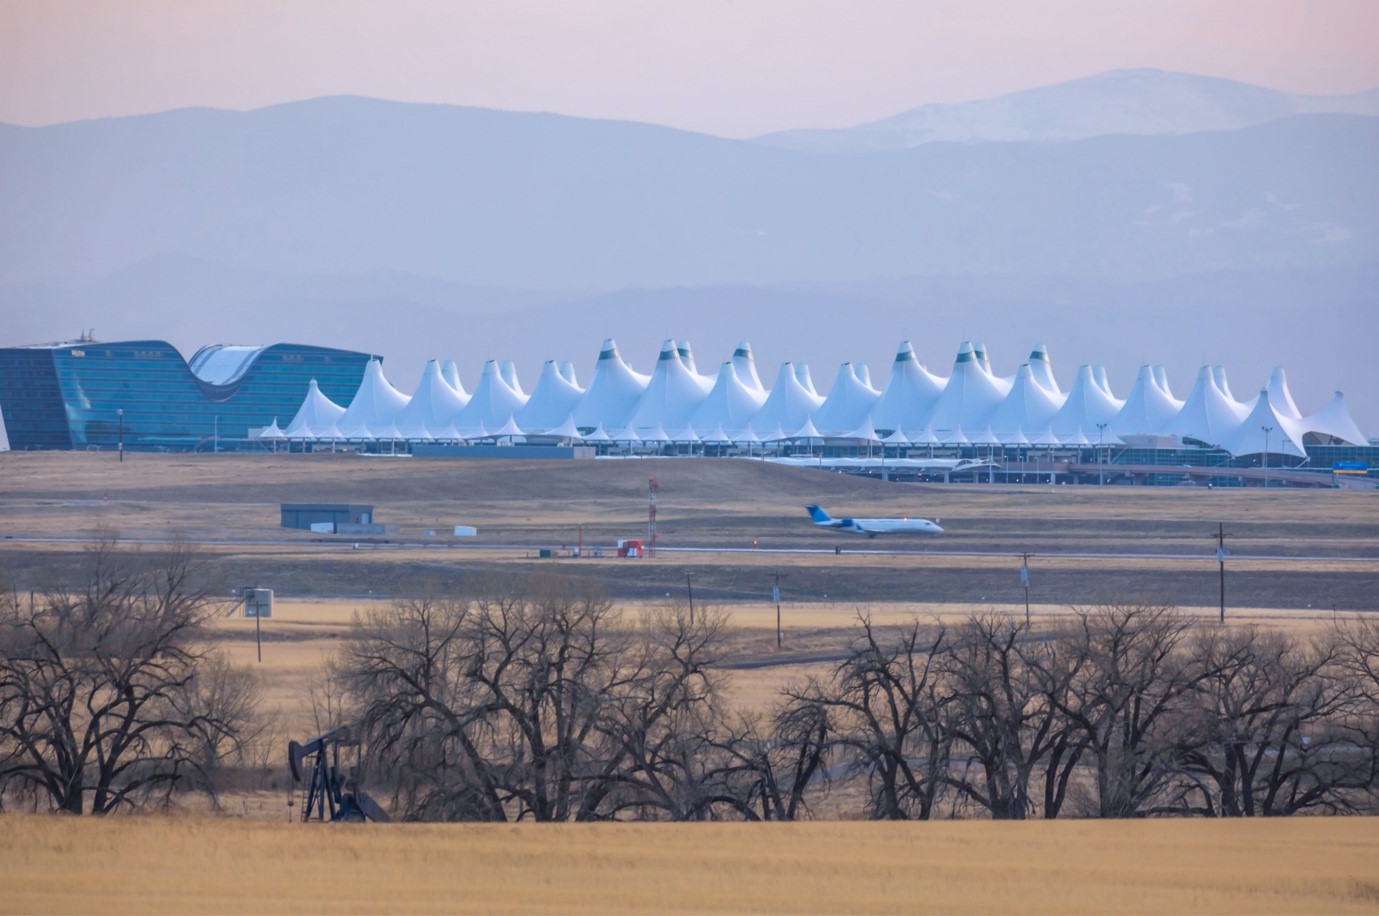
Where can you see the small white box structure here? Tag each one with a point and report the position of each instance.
(323, 527)
(258, 602)
(465, 531)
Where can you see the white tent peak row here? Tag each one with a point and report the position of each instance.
(676, 403)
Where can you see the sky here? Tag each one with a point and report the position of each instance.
(734, 68)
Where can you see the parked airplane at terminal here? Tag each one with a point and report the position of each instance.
(871, 527)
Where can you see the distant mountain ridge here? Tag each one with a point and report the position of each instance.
(1137, 102)
(485, 198)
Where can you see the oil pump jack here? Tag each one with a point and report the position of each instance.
(326, 790)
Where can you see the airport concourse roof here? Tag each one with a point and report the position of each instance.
(971, 406)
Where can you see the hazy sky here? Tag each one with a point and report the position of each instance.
(729, 68)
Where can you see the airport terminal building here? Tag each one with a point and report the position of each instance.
(972, 423)
(145, 395)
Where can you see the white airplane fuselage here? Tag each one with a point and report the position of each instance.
(872, 527)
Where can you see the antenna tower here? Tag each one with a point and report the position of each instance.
(651, 489)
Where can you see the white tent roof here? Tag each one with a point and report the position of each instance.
(493, 403)
(979, 350)
(866, 432)
(567, 372)
(272, 431)
(788, 406)
(317, 417)
(509, 430)
(566, 429)
(910, 393)
(375, 408)
(613, 394)
(508, 370)
(986, 437)
(731, 404)
(1335, 420)
(1283, 435)
(745, 365)
(431, 412)
(1102, 382)
(554, 399)
(686, 354)
(805, 379)
(672, 395)
(1088, 406)
(1161, 379)
(1280, 396)
(806, 431)
(849, 402)
(968, 399)
(1148, 410)
(1029, 405)
(1017, 437)
(1207, 414)
(451, 373)
(1042, 367)
(598, 435)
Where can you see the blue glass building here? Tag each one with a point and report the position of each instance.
(94, 395)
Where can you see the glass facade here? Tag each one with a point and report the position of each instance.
(94, 395)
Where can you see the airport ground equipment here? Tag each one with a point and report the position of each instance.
(325, 790)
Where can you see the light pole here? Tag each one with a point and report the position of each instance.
(1100, 441)
(689, 586)
(120, 413)
(775, 593)
(215, 436)
(1267, 430)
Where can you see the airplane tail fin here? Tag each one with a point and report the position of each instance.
(817, 514)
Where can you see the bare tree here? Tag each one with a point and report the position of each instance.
(999, 712)
(885, 710)
(107, 697)
(1127, 679)
(1270, 732)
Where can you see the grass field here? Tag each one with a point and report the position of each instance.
(184, 865)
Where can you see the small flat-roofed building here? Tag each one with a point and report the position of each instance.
(339, 516)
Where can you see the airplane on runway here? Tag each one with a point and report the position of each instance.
(871, 527)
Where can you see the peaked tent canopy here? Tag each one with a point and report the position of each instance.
(848, 404)
(1335, 422)
(1280, 396)
(1029, 405)
(1042, 367)
(745, 365)
(316, 418)
(672, 395)
(554, 399)
(613, 394)
(452, 378)
(1207, 415)
(1088, 408)
(790, 403)
(493, 403)
(731, 404)
(1148, 410)
(910, 393)
(968, 399)
(1266, 431)
(375, 408)
(433, 408)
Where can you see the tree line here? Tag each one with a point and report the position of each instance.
(542, 703)
(537, 699)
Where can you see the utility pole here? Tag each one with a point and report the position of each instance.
(690, 587)
(775, 593)
(1221, 561)
(1024, 580)
(1100, 466)
(651, 489)
(1267, 430)
(120, 413)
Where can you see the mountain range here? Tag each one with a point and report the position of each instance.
(1137, 215)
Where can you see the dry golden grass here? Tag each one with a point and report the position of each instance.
(196, 865)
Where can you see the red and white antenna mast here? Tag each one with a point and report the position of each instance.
(651, 489)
